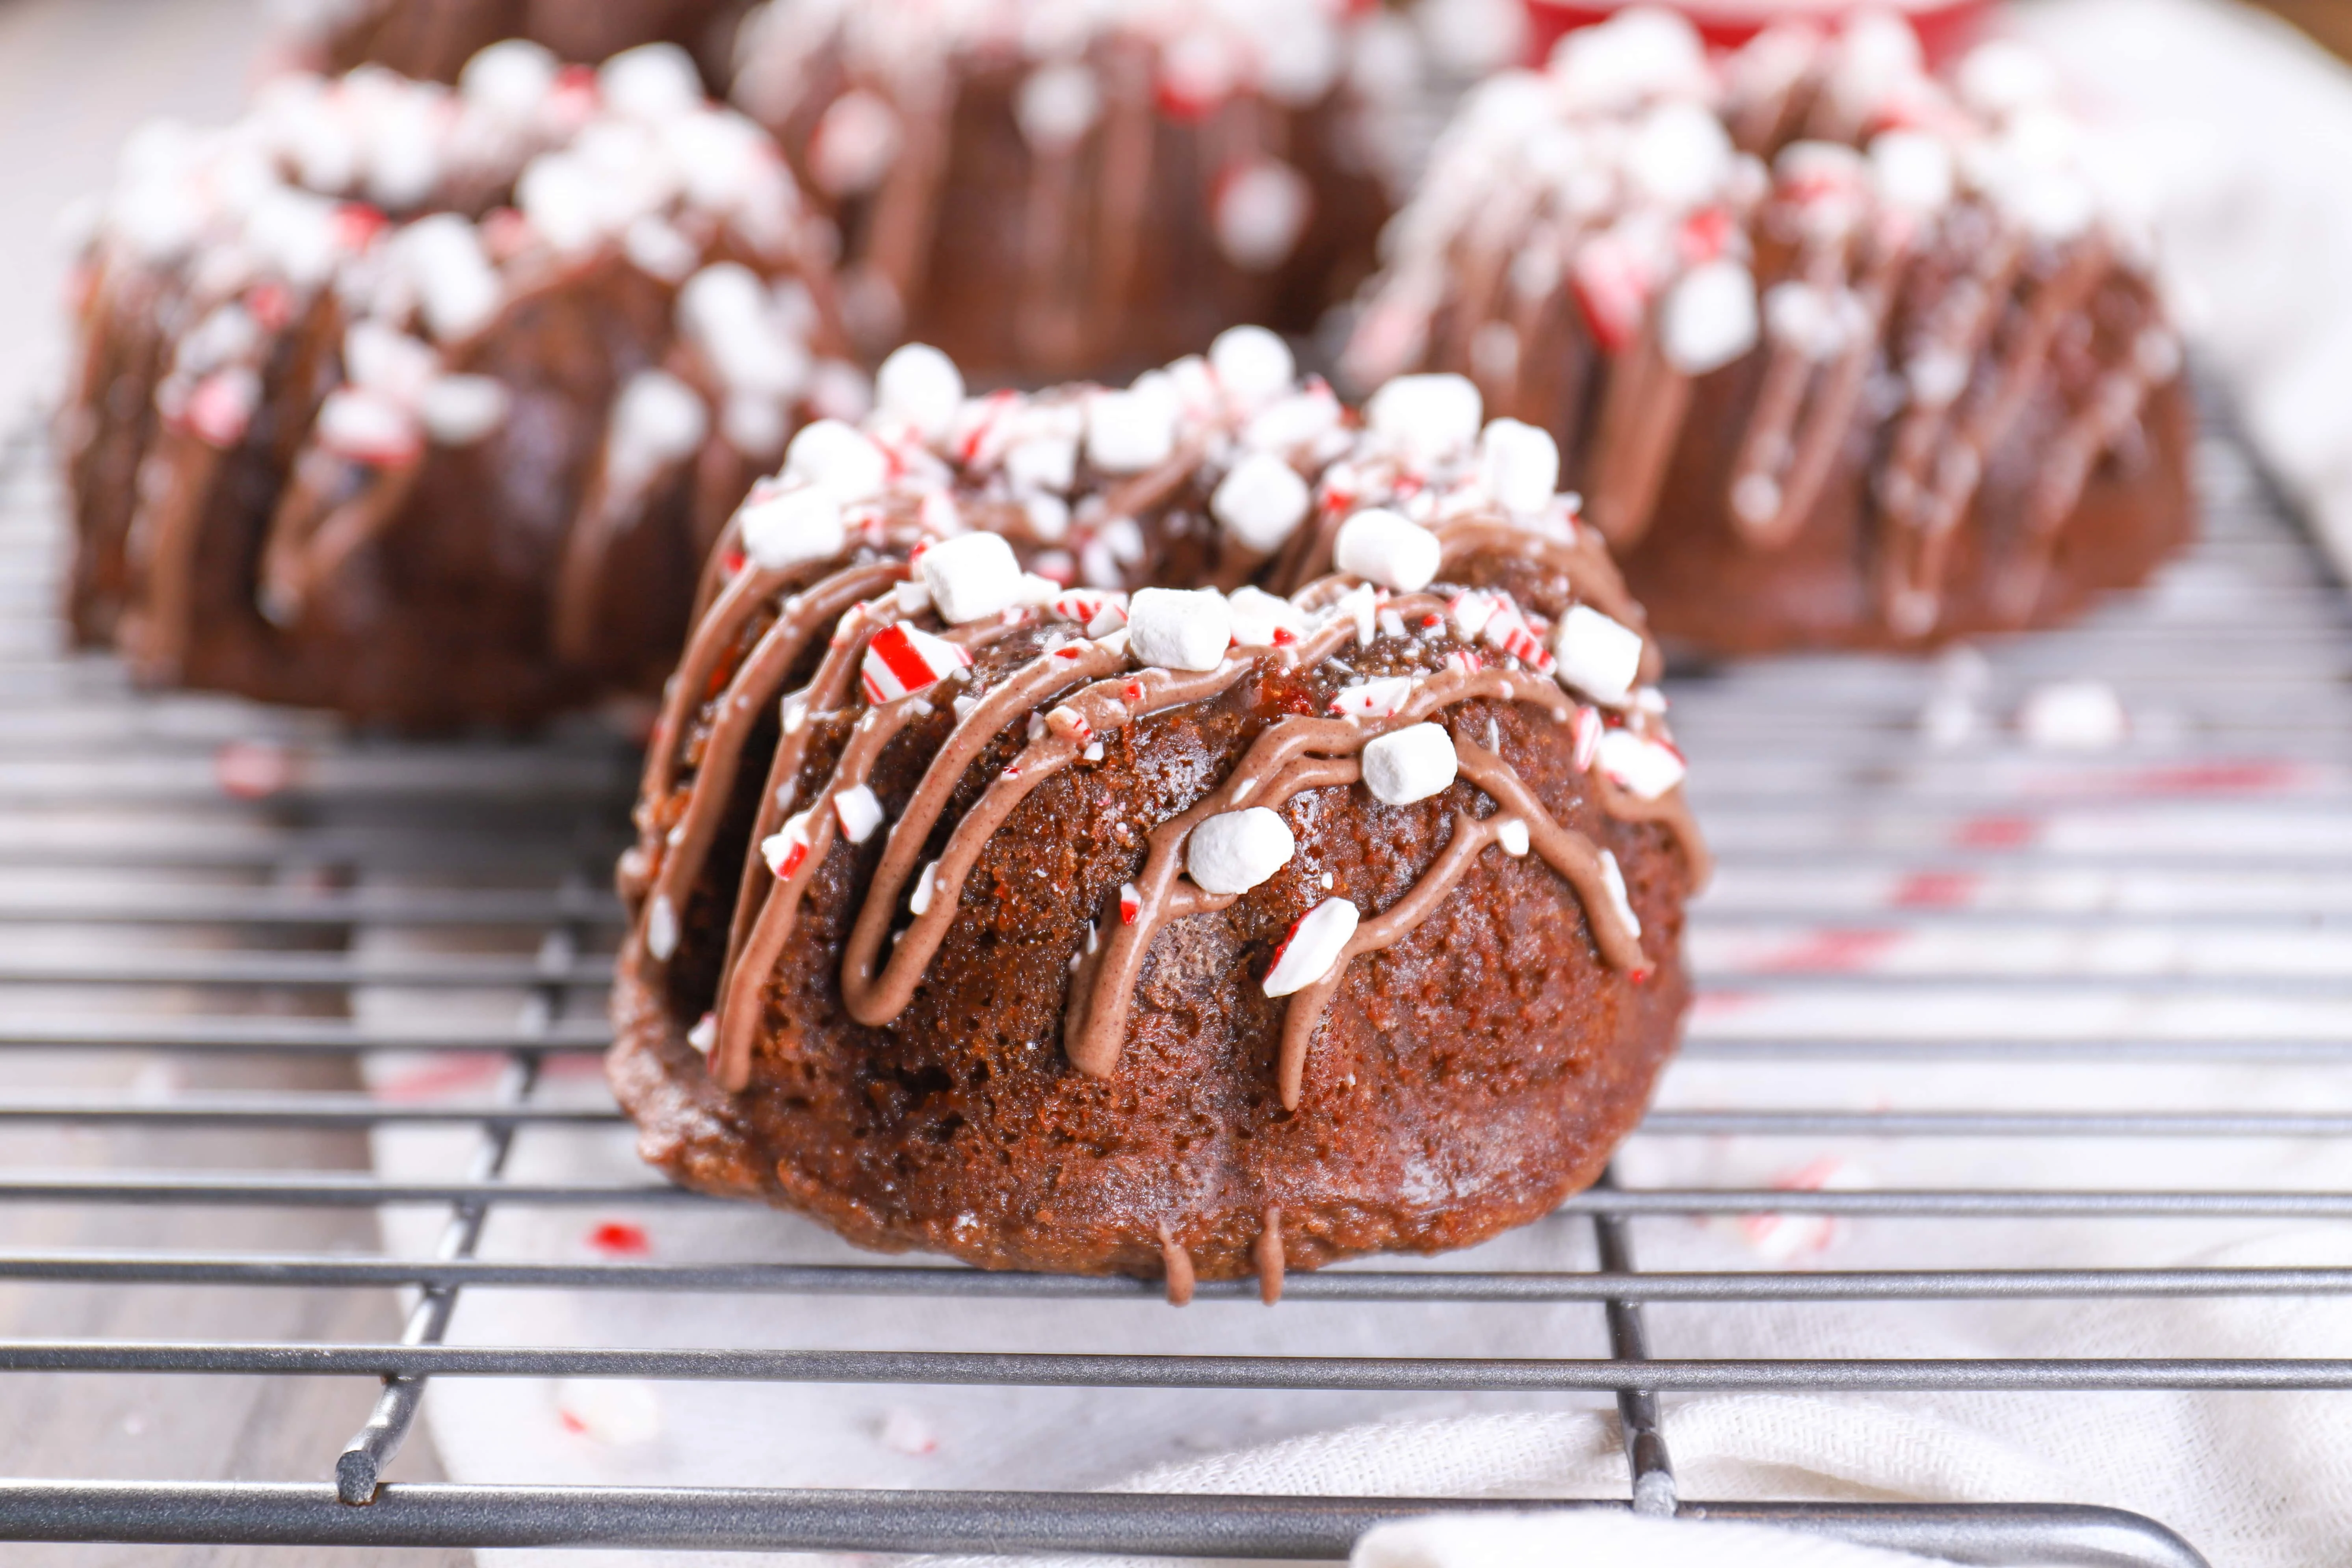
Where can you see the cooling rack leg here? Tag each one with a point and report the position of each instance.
(1637, 1408)
(359, 1469)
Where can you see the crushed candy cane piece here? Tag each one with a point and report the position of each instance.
(1312, 947)
(785, 849)
(1612, 877)
(902, 660)
(1379, 699)
(860, 811)
(1644, 767)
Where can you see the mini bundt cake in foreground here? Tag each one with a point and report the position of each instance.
(426, 405)
(1839, 356)
(1173, 931)
(432, 39)
(1051, 191)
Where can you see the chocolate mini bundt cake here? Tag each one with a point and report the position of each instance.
(1839, 354)
(1051, 191)
(1168, 923)
(431, 40)
(426, 405)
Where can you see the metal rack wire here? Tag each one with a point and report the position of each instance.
(268, 826)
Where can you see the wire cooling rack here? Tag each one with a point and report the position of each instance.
(211, 865)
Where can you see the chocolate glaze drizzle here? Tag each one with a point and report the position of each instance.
(1086, 689)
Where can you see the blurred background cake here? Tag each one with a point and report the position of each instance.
(423, 403)
(1841, 353)
(1047, 189)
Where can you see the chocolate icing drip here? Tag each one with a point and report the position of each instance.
(1177, 1263)
(1267, 1253)
(1641, 415)
(679, 853)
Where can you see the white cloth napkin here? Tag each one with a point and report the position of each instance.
(1596, 1540)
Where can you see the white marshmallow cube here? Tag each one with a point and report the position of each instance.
(971, 577)
(1178, 628)
(1710, 318)
(1520, 465)
(1235, 850)
(1313, 946)
(1128, 431)
(1409, 764)
(1382, 547)
(1599, 657)
(839, 460)
(1253, 365)
(1261, 502)
(1428, 417)
(921, 386)
(791, 526)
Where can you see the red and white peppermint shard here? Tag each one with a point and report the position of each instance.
(1375, 698)
(1130, 903)
(902, 660)
(785, 849)
(1640, 766)
(1313, 946)
(1589, 729)
(222, 407)
(1509, 632)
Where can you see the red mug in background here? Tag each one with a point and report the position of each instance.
(1946, 27)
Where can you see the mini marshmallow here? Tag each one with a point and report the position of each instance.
(1512, 835)
(787, 527)
(1911, 170)
(1638, 765)
(1261, 502)
(1180, 629)
(1129, 431)
(1235, 850)
(459, 410)
(1259, 211)
(1253, 365)
(1263, 620)
(367, 427)
(902, 660)
(657, 421)
(1520, 465)
(1429, 417)
(839, 460)
(859, 811)
(652, 81)
(1313, 946)
(1041, 463)
(971, 577)
(1058, 105)
(1678, 153)
(1288, 423)
(1709, 317)
(1384, 547)
(512, 79)
(921, 386)
(1598, 656)
(1409, 764)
